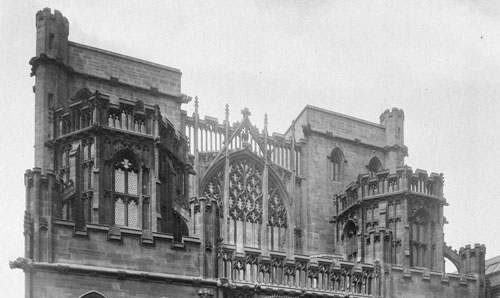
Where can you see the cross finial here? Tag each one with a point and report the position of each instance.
(246, 112)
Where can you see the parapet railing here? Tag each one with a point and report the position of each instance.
(97, 110)
(300, 272)
(211, 137)
(384, 183)
(127, 116)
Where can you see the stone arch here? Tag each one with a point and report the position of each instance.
(420, 237)
(82, 94)
(453, 258)
(92, 294)
(375, 165)
(350, 237)
(337, 159)
(180, 227)
(246, 201)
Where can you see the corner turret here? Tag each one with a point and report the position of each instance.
(472, 262)
(52, 34)
(393, 121)
(50, 66)
(472, 259)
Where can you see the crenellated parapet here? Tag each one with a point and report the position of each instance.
(113, 247)
(472, 260)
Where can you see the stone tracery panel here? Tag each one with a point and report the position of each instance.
(246, 204)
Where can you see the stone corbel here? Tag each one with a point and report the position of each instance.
(22, 263)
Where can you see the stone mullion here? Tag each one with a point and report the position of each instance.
(140, 196)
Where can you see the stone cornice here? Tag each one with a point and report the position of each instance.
(97, 129)
(329, 135)
(45, 59)
(144, 276)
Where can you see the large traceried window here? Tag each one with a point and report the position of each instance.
(126, 196)
(246, 205)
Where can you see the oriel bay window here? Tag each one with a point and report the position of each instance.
(126, 195)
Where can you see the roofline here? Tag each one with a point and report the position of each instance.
(334, 114)
(125, 57)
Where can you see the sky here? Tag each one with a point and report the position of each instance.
(437, 60)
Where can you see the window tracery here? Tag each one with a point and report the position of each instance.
(126, 180)
(246, 204)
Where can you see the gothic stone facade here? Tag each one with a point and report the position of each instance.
(131, 197)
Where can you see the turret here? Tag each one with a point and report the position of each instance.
(50, 66)
(52, 34)
(472, 259)
(393, 121)
(472, 262)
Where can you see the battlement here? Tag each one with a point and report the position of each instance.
(472, 259)
(469, 248)
(395, 112)
(46, 14)
(113, 247)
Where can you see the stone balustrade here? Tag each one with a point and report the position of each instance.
(383, 183)
(211, 136)
(327, 273)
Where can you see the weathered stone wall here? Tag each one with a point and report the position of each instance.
(130, 253)
(321, 189)
(420, 284)
(53, 284)
(135, 79)
(104, 64)
(344, 126)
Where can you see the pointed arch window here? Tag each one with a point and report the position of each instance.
(350, 239)
(421, 240)
(246, 205)
(374, 166)
(337, 160)
(126, 181)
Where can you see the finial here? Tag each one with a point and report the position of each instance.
(293, 125)
(227, 112)
(246, 112)
(265, 121)
(196, 104)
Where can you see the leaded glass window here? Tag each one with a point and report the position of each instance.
(119, 212)
(119, 180)
(126, 181)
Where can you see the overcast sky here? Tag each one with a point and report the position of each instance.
(437, 60)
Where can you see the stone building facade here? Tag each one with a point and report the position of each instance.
(132, 197)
